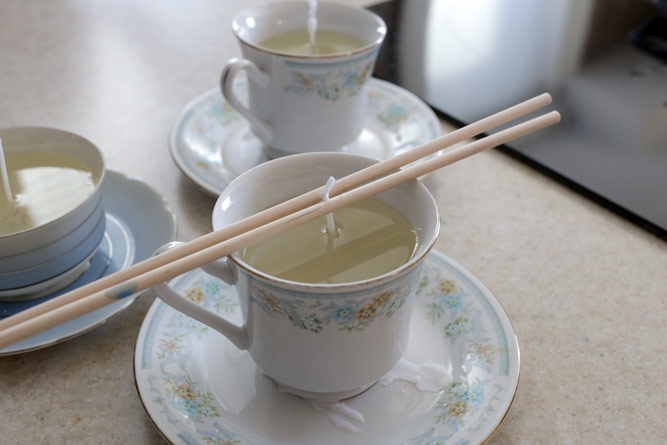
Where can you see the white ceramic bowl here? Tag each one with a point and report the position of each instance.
(51, 249)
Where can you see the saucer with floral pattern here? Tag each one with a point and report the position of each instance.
(454, 384)
(212, 144)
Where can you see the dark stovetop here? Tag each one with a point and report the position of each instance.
(603, 62)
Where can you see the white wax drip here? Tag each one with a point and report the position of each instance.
(331, 225)
(429, 376)
(312, 20)
(5, 176)
(341, 415)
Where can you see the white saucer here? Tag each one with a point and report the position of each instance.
(199, 389)
(138, 222)
(212, 144)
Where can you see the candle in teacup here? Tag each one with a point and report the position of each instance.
(312, 40)
(305, 93)
(371, 239)
(4, 179)
(325, 42)
(45, 186)
(317, 339)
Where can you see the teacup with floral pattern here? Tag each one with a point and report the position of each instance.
(300, 103)
(321, 341)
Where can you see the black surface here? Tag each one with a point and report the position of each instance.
(612, 143)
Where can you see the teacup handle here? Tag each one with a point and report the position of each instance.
(221, 269)
(229, 72)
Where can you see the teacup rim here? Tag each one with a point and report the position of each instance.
(382, 30)
(414, 261)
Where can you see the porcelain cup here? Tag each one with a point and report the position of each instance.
(300, 103)
(47, 254)
(319, 341)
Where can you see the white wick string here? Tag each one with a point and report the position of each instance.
(331, 225)
(5, 176)
(312, 20)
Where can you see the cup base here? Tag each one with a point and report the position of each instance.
(323, 396)
(47, 287)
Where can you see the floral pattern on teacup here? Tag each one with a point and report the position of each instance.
(331, 85)
(313, 316)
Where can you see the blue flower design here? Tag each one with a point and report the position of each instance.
(207, 411)
(457, 327)
(311, 323)
(342, 314)
(223, 112)
(188, 406)
(393, 116)
(474, 395)
(352, 80)
(212, 288)
(452, 301)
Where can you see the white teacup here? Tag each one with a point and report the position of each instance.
(304, 102)
(319, 341)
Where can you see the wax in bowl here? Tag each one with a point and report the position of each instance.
(56, 219)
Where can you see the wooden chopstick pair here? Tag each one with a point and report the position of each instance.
(212, 246)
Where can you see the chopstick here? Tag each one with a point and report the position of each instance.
(307, 199)
(265, 224)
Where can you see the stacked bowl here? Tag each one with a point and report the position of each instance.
(55, 220)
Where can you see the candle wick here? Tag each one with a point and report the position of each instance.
(5, 176)
(312, 20)
(331, 224)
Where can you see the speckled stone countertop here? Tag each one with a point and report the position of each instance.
(586, 291)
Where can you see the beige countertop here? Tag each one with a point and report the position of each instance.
(585, 290)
